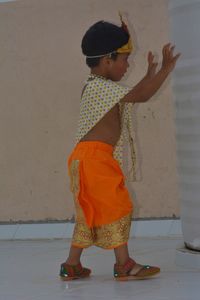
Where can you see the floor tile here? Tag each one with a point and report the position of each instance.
(29, 271)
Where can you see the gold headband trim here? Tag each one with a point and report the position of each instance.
(127, 48)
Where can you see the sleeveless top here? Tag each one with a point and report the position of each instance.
(98, 97)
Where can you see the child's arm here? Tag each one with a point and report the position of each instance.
(153, 80)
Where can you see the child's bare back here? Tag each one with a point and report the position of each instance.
(107, 130)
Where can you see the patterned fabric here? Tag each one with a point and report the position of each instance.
(98, 97)
(106, 236)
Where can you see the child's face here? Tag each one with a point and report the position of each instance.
(118, 67)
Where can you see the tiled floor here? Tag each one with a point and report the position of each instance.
(29, 271)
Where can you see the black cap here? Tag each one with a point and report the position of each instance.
(103, 38)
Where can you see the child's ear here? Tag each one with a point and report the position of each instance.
(107, 61)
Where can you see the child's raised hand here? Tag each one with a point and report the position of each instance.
(169, 60)
(153, 79)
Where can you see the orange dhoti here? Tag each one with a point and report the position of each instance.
(103, 205)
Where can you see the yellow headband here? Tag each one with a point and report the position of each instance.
(126, 48)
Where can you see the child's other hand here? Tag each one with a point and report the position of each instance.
(169, 60)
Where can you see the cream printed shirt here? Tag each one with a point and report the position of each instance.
(98, 97)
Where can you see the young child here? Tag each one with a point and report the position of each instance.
(103, 204)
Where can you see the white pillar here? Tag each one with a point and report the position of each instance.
(185, 29)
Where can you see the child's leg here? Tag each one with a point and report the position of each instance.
(74, 255)
(121, 254)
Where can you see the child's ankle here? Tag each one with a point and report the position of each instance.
(126, 262)
(72, 262)
(121, 262)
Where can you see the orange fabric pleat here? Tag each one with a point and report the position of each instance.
(102, 195)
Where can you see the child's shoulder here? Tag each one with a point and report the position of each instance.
(101, 83)
(101, 90)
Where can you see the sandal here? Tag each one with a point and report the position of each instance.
(70, 272)
(133, 271)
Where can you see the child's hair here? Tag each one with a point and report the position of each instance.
(101, 39)
(94, 62)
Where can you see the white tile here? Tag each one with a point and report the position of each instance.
(175, 228)
(40, 231)
(29, 271)
(64, 230)
(67, 233)
(155, 228)
(7, 232)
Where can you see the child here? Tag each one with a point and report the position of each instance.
(103, 204)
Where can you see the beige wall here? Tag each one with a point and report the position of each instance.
(42, 72)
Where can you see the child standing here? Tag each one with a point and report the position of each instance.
(103, 204)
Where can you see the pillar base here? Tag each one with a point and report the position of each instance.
(187, 258)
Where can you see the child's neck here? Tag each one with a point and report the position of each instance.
(99, 72)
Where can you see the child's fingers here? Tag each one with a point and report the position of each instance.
(152, 69)
(150, 57)
(165, 49)
(167, 45)
(172, 48)
(154, 66)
